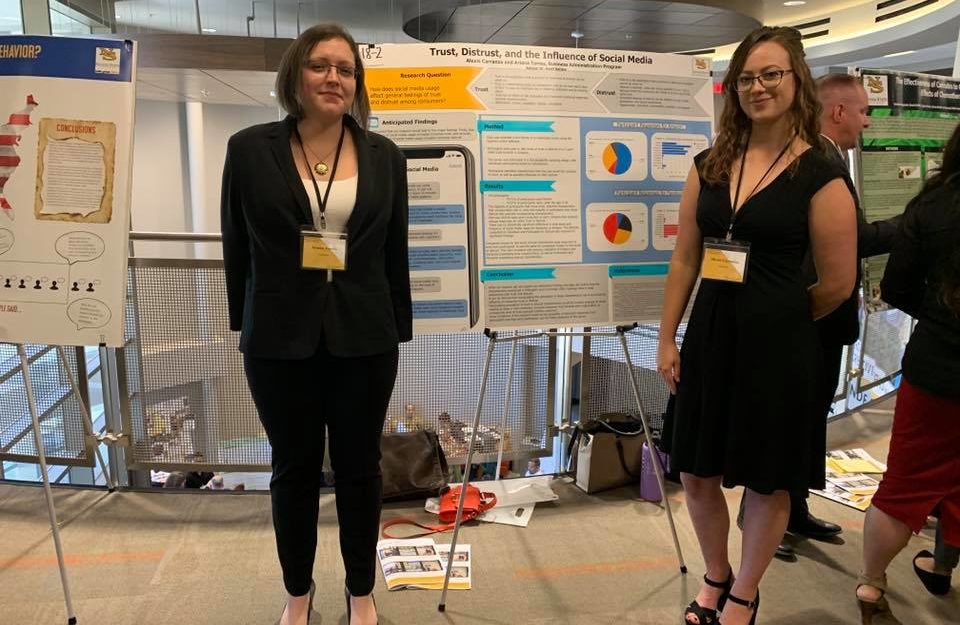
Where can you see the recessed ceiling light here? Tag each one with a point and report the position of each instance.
(904, 53)
(204, 93)
(209, 30)
(628, 36)
(273, 94)
(794, 3)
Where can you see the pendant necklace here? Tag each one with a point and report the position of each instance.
(321, 167)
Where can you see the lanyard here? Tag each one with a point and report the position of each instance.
(322, 202)
(736, 198)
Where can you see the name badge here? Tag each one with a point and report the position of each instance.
(323, 250)
(725, 260)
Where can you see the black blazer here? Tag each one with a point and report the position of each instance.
(842, 326)
(281, 310)
(925, 251)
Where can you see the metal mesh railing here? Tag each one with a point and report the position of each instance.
(188, 405)
(885, 337)
(438, 386)
(606, 382)
(60, 412)
(183, 379)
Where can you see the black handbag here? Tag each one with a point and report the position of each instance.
(413, 465)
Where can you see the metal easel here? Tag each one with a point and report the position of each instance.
(620, 333)
(42, 459)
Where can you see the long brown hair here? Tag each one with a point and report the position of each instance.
(734, 123)
(291, 66)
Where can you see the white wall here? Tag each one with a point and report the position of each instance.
(220, 121)
(161, 179)
(160, 202)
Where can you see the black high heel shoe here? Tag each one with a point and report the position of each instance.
(752, 605)
(313, 591)
(346, 595)
(707, 616)
(935, 583)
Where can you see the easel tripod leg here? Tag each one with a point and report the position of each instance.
(466, 474)
(47, 491)
(655, 457)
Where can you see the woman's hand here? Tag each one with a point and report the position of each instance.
(668, 364)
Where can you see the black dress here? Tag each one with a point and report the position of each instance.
(747, 404)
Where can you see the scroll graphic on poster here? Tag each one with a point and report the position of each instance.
(576, 162)
(911, 118)
(65, 183)
(75, 170)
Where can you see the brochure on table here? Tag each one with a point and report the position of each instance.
(552, 195)
(66, 121)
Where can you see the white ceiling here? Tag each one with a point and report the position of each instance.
(210, 86)
(775, 13)
(854, 39)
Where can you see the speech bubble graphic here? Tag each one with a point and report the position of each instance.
(88, 313)
(79, 247)
(6, 240)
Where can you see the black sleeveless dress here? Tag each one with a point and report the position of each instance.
(747, 405)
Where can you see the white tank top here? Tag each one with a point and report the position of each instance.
(343, 197)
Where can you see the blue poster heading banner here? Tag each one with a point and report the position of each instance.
(534, 273)
(513, 125)
(66, 57)
(633, 271)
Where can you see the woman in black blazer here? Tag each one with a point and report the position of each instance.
(314, 219)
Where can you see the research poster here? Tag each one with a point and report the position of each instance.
(911, 118)
(551, 197)
(66, 121)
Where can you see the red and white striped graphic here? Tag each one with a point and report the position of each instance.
(10, 134)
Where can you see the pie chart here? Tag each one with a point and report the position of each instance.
(617, 228)
(617, 158)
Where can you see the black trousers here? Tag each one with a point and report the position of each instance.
(298, 400)
(827, 387)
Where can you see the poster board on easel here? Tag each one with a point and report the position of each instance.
(66, 139)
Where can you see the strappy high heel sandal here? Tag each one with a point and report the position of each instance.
(869, 609)
(707, 616)
(751, 605)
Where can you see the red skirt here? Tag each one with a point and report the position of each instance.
(923, 468)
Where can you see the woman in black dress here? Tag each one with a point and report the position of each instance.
(746, 405)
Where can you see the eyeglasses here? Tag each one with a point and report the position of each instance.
(343, 71)
(768, 80)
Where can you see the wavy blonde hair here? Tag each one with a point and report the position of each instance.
(735, 126)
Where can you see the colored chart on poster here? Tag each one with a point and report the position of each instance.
(617, 228)
(617, 158)
(666, 225)
(673, 155)
(620, 227)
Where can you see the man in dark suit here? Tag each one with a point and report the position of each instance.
(844, 116)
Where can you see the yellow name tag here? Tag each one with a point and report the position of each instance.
(725, 260)
(323, 250)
